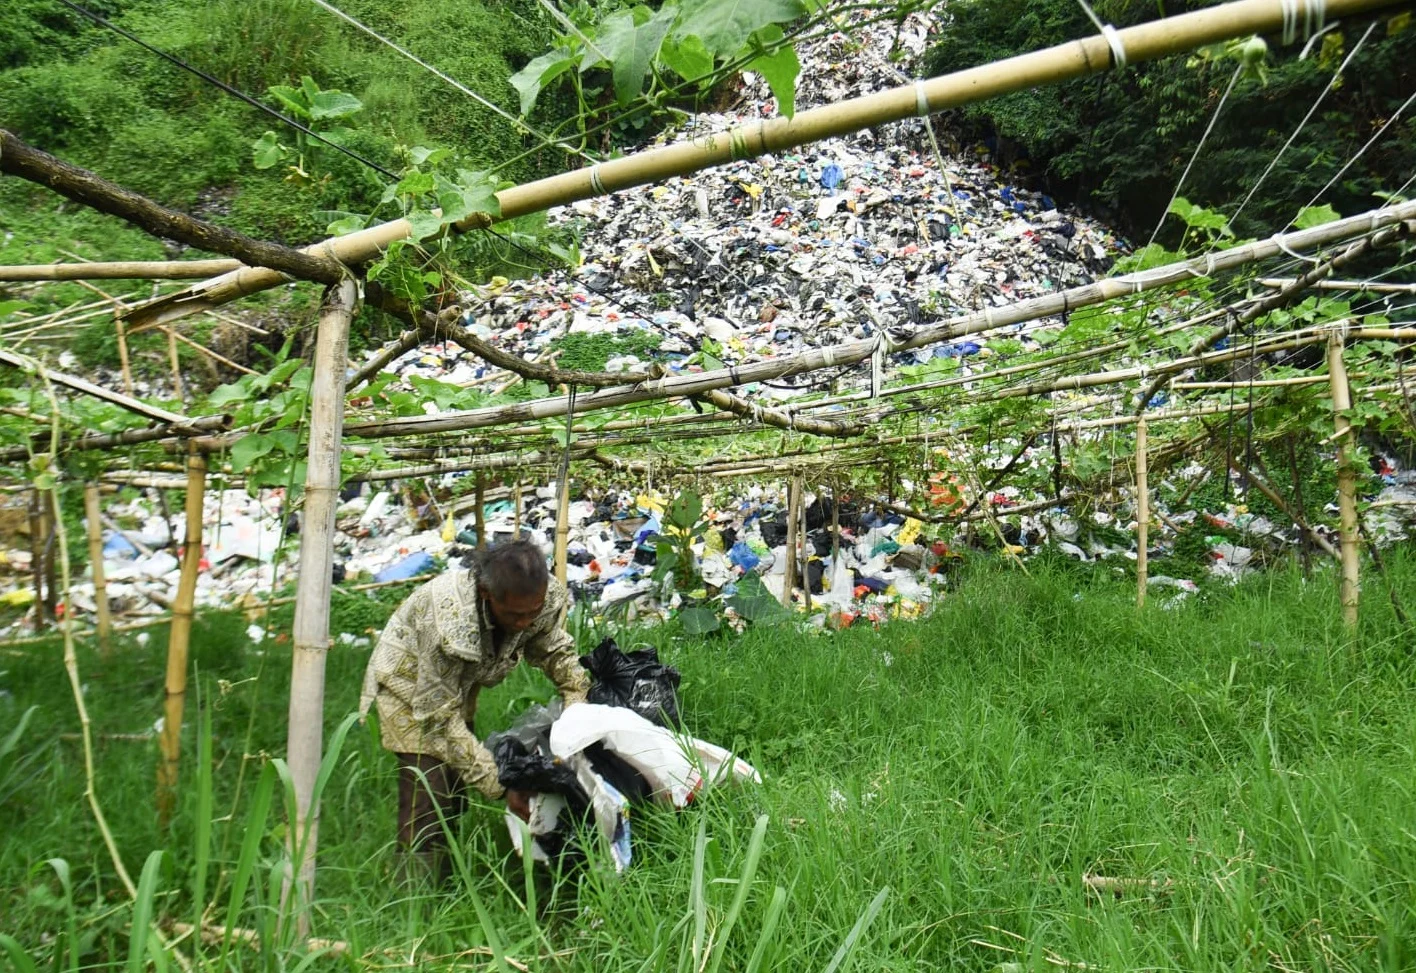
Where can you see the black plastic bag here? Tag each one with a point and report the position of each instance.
(635, 680)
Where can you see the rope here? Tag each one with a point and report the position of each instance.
(1109, 33)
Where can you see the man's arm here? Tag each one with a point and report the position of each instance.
(551, 648)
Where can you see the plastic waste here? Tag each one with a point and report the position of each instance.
(411, 566)
(636, 680)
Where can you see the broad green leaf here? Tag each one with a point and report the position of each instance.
(250, 448)
(348, 223)
(10, 307)
(334, 104)
(267, 152)
(291, 99)
(686, 57)
(479, 191)
(415, 182)
(631, 48)
(755, 603)
(424, 224)
(725, 25)
(223, 394)
(530, 80)
(780, 68)
(422, 155)
(1310, 216)
(683, 512)
(698, 620)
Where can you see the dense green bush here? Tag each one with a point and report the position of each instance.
(1121, 140)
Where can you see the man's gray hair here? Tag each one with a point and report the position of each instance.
(518, 568)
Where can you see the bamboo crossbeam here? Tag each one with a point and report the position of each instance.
(849, 353)
(197, 426)
(1287, 295)
(122, 270)
(1370, 287)
(98, 392)
(1063, 62)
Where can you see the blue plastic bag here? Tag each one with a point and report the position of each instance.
(743, 557)
(411, 566)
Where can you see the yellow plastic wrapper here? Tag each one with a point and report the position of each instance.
(18, 598)
(909, 532)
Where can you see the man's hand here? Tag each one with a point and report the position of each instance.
(519, 803)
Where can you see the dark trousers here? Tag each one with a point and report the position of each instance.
(427, 786)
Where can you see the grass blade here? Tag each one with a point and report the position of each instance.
(71, 916)
(699, 900)
(143, 911)
(19, 959)
(250, 848)
(749, 871)
(769, 928)
(843, 955)
(202, 839)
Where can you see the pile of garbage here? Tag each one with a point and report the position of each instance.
(765, 258)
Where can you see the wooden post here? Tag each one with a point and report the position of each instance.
(1142, 515)
(305, 739)
(562, 526)
(516, 506)
(36, 525)
(100, 585)
(481, 514)
(793, 518)
(806, 549)
(121, 330)
(179, 642)
(1346, 477)
(175, 362)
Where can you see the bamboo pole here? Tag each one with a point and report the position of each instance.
(805, 554)
(37, 522)
(100, 586)
(1063, 62)
(1371, 287)
(1142, 516)
(516, 517)
(174, 361)
(122, 270)
(305, 740)
(179, 642)
(121, 329)
(480, 515)
(1346, 477)
(97, 391)
(793, 519)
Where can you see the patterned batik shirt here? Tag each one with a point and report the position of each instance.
(438, 651)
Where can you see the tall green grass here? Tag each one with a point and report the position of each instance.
(935, 795)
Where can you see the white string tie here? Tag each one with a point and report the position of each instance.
(921, 99)
(596, 184)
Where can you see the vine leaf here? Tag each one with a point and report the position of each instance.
(530, 80)
(1310, 216)
(725, 25)
(631, 47)
(780, 68)
(687, 57)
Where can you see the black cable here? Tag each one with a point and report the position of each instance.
(223, 86)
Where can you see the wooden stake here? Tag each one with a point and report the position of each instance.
(179, 642)
(1346, 477)
(121, 330)
(305, 739)
(480, 519)
(123, 270)
(793, 518)
(100, 585)
(516, 505)
(562, 526)
(175, 362)
(805, 555)
(37, 523)
(1142, 515)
